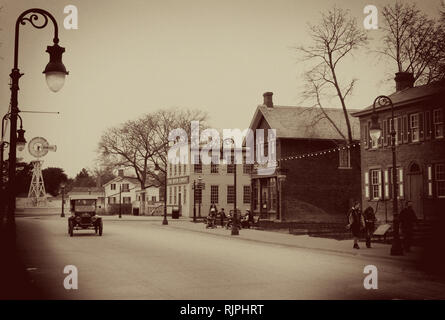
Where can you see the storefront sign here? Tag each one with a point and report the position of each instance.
(179, 180)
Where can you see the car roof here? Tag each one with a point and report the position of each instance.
(83, 197)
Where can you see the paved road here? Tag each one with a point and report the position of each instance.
(145, 260)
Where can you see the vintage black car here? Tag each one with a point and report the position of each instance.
(83, 215)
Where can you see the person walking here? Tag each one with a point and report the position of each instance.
(355, 223)
(370, 219)
(407, 220)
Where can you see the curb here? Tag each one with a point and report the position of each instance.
(334, 251)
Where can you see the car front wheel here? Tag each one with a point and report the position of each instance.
(101, 228)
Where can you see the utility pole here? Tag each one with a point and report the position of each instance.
(120, 201)
(194, 200)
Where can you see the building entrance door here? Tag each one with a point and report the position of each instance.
(416, 192)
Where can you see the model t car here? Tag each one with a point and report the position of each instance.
(83, 215)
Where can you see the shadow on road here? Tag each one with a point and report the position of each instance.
(15, 284)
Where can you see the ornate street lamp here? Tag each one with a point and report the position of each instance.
(197, 186)
(20, 145)
(235, 230)
(157, 170)
(55, 73)
(375, 132)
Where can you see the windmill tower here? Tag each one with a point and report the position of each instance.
(38, 147)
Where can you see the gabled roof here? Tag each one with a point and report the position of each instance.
(132, 180)
(149, 182)
(305, 123)
(86, 190)
(408, 96)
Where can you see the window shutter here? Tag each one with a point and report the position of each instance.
(385, 132)
(401, 182)
(386, 183)
(399, 130)
(428, 125)
(430, 180)
(421, 127)
(380, 142)
(367, 185)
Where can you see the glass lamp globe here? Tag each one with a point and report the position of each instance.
(55, 80)
(55, 71)
(20, 146)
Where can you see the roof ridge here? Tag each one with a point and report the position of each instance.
(300, 107)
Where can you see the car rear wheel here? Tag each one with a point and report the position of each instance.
(70, 228)
(101, 228)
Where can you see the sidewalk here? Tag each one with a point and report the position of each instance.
(378, 250)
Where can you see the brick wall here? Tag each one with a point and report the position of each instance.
(422, 153)
(318, 180)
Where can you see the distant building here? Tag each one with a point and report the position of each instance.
(127, 189)
(88, 191)
(219, 187)
(420, 150)
(121, 188)
(322, 175)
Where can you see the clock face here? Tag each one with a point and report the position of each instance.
(38, 147)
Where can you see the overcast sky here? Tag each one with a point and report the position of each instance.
(132, 57)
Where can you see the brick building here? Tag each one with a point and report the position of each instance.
(320, 185)
(420, 150)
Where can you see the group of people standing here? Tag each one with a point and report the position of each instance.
(360, 223)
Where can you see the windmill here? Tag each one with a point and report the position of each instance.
(38, 147)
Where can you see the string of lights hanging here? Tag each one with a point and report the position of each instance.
(319, 153)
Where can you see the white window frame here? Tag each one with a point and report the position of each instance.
(441, 180)
(212, 194)
(341, 157)
(438, 123)
(414, 126)
(376, 184)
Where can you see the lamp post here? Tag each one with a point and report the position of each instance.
(55, 73)
(281, 177)
(375, 132)
(62, 215)
(235, 230)
(120, 200)
(20, 144)
(157, 170)
(194, 200)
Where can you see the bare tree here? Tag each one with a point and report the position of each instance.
(334, 38)
(166, 121)
(142, 144)
(413, 41)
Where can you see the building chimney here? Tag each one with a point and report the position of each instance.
(268, 99)
(120, 172)
(404, 80)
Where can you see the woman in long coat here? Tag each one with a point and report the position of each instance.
(356, 223)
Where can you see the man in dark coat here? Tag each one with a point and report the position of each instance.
(356, 224)
(407, 220)
(369, 217)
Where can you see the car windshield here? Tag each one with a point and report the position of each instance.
(82, 205)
